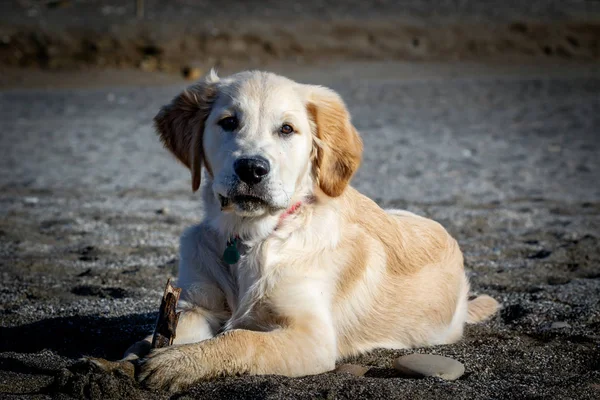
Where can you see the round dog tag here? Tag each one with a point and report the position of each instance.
(231, 255)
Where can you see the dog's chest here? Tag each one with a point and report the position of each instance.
(253, 281)
(266, 280)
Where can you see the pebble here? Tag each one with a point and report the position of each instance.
(559, 325)
(191, 73)
(31, 200)
(554, 148)
(352, 369)
(162, 211)
(149, 64)
(422, 365)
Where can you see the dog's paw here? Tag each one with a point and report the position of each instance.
(138, 350)
(173, 368)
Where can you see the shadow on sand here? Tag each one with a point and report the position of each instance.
(78, 336)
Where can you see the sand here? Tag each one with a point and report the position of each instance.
(91, 209)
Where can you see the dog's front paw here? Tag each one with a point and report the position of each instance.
(173, 368)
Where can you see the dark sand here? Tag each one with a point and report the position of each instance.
(504, 154)
(507, 159)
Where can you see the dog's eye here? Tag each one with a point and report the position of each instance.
(286, 129)
(229, 123)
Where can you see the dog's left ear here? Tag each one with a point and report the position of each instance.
(339, 146)
(180, 125)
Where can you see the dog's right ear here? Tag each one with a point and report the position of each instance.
(180, 124)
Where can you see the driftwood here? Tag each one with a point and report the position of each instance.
(166, 324)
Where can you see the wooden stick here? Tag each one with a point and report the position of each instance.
(166, 324)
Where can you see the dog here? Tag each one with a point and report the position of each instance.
(291, 268)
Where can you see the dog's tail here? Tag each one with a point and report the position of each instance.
(481, 308)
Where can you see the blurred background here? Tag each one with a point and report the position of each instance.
(188, 36)
(483, 115)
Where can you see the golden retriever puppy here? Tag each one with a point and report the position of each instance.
(291, 268)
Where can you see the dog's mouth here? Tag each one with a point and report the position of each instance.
(248, 199)
(225, 202)
(243, 202)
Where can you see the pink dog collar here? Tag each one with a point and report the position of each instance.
(289, 211)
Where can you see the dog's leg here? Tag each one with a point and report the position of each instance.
(288, 351)
(194, 326)
(202, 302)
(138, 349)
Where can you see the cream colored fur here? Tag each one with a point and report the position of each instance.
(337, 278)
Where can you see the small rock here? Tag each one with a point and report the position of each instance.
(163, 211)
(149, 64)
(559, 325)
(352, 369)
(422, 365)
(191, 73)
(31, 200)
(554, 148)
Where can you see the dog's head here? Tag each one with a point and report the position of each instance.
(261, 138)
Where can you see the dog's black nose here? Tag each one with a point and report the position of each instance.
(252, 169)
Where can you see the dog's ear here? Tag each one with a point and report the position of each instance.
(180, 124)
(339, 146)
